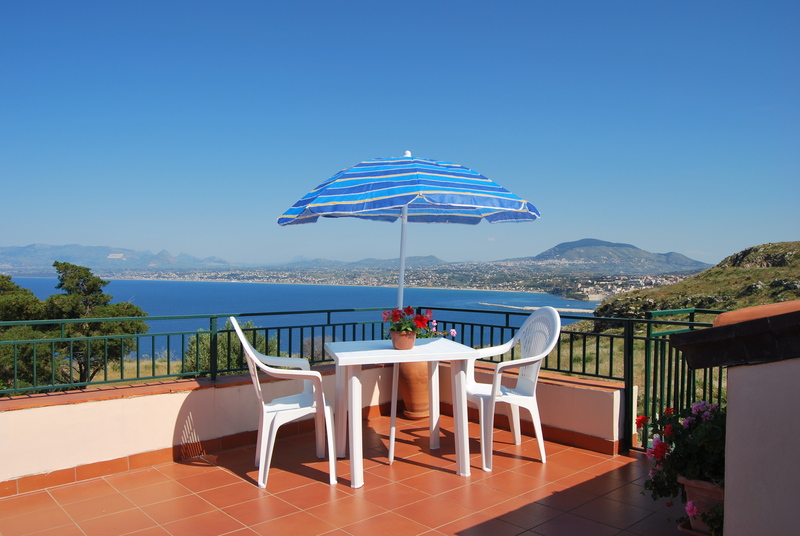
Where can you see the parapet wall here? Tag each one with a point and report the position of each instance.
(53, 439)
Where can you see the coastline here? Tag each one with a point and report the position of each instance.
(535, 308)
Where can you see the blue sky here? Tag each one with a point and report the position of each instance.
(191, 126)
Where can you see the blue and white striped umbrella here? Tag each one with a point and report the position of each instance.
(410, 189)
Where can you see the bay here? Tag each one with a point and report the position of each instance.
(167, 298)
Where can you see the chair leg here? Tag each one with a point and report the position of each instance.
(267, 447)
(393, 420)
(331, 444)
(486, 419)
(259, 438)
(512, 410)
(537, 427)
(319, 431)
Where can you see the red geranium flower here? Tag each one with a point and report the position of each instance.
(660, 450)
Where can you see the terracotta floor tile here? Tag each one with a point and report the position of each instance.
(298, 524)
(434, 512)
(434, 482)
(394, 495)
(260, 510)
(522, 513)
(97, 507)
(572, 525)
(186, 468)
(513, 482)
(155, 493)
(564, 499)
(31, 522)
(82, 491)
(315, 493)
(209, 480)
(136, 479)
(479, 524)
(26, 504)
(612, 513)
(116, 524)
(231, 494)
(66, 530)
(577, 459)
(476, 497)
(388, 524)
(346, 511)
(176, 509)
(212, 523)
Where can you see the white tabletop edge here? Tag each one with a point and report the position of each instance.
(381, 351)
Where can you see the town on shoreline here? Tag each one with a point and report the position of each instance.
(582, 287)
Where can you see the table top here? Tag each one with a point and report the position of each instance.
(381, 351)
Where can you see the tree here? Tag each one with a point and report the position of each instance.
(229, 349)
(18, 367)
(64, 362)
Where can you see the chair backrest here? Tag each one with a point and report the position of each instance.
(256, 361)
(536, 337)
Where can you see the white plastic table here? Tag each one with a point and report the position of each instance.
(351, 355)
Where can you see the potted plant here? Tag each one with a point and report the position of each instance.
(688, 453)
(404, 327)
(404, 324)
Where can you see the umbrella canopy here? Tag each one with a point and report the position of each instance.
(412, 190)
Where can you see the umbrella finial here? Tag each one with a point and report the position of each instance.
(408, 154)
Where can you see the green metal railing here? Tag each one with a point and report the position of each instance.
(634, 351)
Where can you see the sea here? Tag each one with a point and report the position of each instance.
(171, 298)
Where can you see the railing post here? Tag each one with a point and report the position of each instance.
(213, 357)
(630, 401)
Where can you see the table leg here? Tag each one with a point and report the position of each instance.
(356, 432)
(340, 409)
(458, 370)
(433, 403)
(393, 419)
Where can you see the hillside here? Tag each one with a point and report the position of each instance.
(768, 273)
(598, 256)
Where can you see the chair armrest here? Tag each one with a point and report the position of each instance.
(288, 362)
(515, 363)
(289, 374)
(492, 351)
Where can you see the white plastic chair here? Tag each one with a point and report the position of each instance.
(537, 337)
(279, 411)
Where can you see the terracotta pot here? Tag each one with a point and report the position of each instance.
(413, 387)
(686, 528)
(704, 495)
(403, 340)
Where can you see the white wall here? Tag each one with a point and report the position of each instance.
(761, 468)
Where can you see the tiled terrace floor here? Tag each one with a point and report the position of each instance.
(576, 492)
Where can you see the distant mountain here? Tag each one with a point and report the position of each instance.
(599, 256)
(102, 258)
(588, 255)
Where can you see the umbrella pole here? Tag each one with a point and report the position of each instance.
(401, 279)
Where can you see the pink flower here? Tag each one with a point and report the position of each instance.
(707, 416)
(453, 332)
(433, 325)
(691, 509)
(687, 422)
